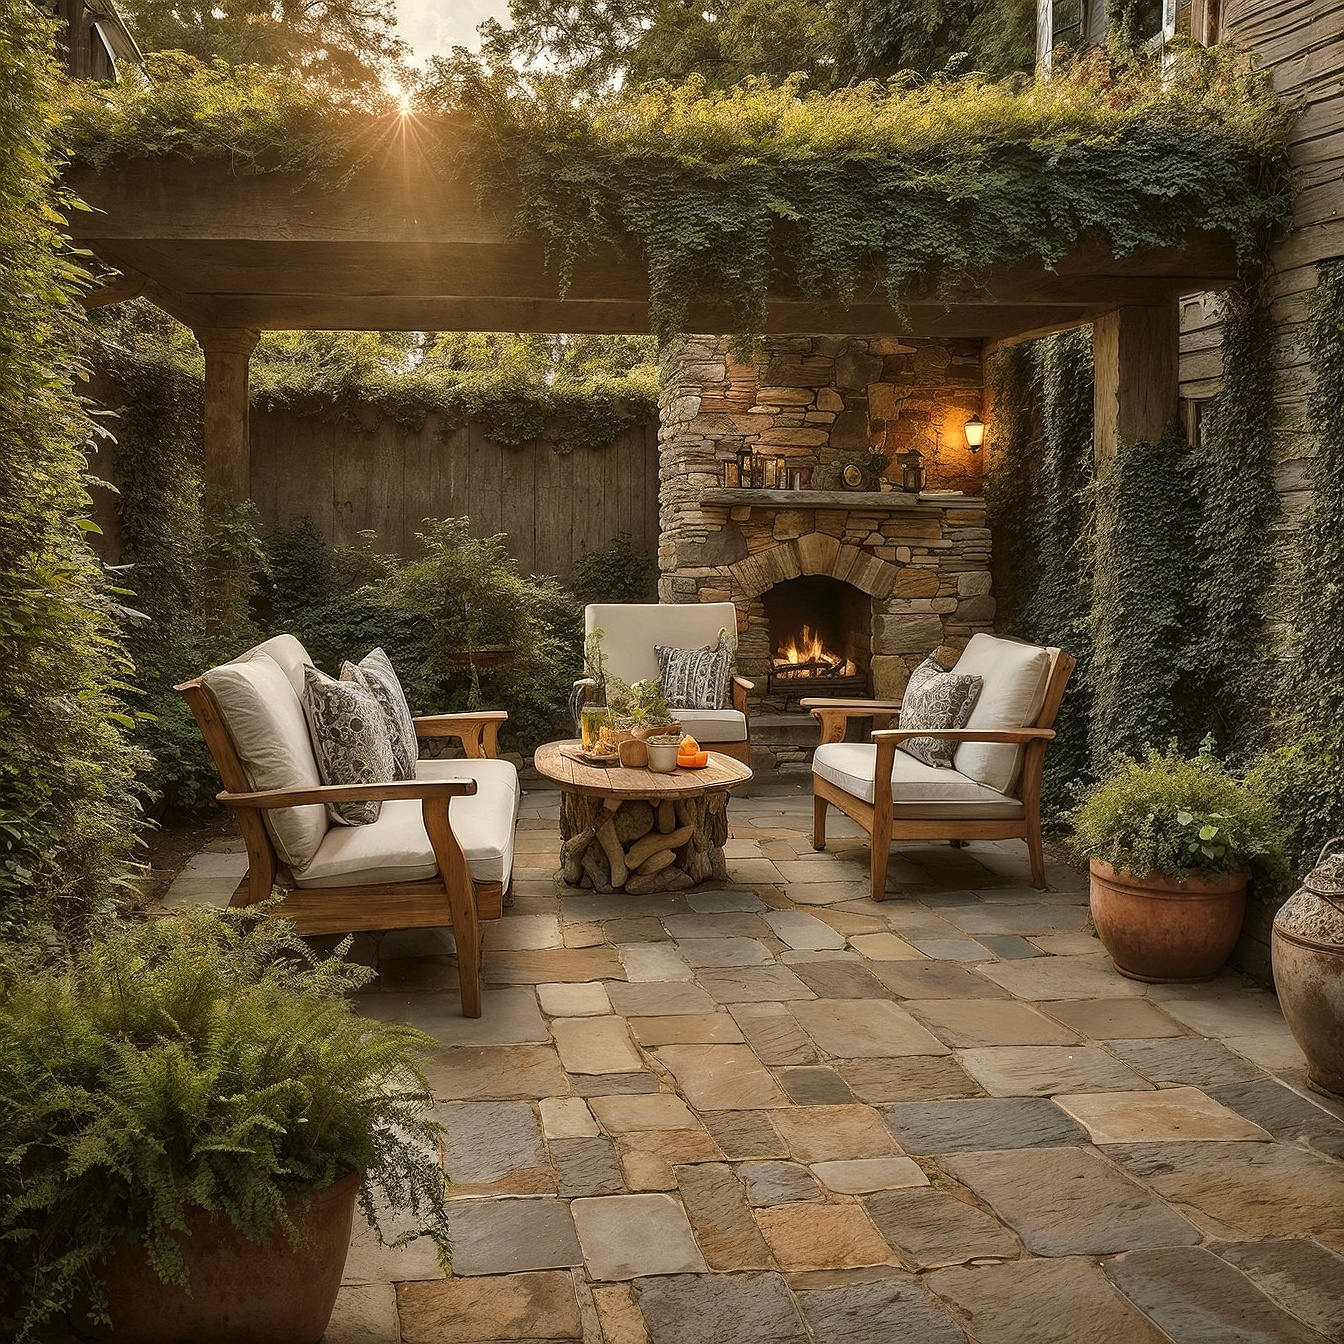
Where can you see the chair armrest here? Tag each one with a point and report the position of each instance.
(740, 688)
(965, 734)
(477, 730)
(833, 715)
(305, 795)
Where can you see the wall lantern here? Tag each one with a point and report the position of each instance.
(912, 471)
(975, 433)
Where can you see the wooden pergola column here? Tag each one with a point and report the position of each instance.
(228, 351)
(1137, 382)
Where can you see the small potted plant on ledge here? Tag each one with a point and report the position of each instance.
(189, 1111)
(1169, 842)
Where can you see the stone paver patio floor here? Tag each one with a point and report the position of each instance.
(778, 1111)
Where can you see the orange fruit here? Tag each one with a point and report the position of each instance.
(689, 746)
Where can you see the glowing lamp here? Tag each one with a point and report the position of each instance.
(975, 433)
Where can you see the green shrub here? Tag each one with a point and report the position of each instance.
(618, 572)
(1172, 815)
(204, 1061)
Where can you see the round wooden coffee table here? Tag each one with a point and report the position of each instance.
(635, 830)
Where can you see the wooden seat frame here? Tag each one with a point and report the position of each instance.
(879, 818)
(451, 898)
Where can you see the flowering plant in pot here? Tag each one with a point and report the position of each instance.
(189, 1111)
(1169, 841)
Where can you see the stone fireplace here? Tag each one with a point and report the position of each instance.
(880, 577)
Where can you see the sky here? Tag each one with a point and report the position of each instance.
(431, 27)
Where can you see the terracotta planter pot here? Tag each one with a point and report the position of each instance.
(240, 1293)
(1163, 931)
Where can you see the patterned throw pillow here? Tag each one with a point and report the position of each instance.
(936, 698)
(350, 741)
(377, 675)
(696, 678)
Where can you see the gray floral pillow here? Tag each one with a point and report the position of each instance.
(377, 675)
(350, 741)
(696, 678)
(936, 698)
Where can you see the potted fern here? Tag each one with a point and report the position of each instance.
(1169, 841)
(189, 1112)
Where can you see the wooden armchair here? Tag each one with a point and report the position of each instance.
(992, 792)
(440, 853)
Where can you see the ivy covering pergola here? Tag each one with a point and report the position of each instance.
(960, 210)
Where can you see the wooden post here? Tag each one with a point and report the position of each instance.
(227, 352)
(1137, 385)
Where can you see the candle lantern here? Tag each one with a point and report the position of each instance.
(744, 468)
(975, 433)
(731, 476)
(912, 471)
(769, 473)
(781, 473)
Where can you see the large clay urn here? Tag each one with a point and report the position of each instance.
(241, 1293)
(1308, 950)
(1163, 931)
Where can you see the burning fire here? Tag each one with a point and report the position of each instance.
(806, 655)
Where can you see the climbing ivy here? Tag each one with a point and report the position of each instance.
(728, 193)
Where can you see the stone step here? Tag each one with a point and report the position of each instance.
(798, 731)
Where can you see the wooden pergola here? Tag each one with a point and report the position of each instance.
(396, 247)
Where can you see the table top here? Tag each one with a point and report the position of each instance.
(618, 781)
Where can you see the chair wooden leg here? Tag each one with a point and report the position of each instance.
(467, 936)
(1037, 853)
(819, 806)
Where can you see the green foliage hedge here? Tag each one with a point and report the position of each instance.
(715, 187)
(67, 799)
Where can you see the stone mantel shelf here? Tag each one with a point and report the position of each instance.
(864, 501)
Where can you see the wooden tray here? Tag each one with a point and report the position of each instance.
(602, 762)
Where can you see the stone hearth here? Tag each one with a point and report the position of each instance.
(919, 562)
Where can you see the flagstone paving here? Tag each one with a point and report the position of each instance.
(775, 1112)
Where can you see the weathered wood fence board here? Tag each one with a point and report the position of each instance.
(389, 479)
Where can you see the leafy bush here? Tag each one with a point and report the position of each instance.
(1171, 815)
(619, 572)
(205, 1061)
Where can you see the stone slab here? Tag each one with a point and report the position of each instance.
(567, 1118)
(365, 1313)
(720, 1309)
(595, 1045)
(1019, 919)
(778, 1183)
(910, 1079)
(716, 1204)
(1255, 1189)
(585, 999)
(814, 1085)
(1198, 1298)
(517, 933)
(721, 1077)
(553, 964)
(717, 952)
(972, 1022)
(754, 984)
(656, 1110)
(1114, 1019)
(1301, 1276)
(823, 1236)
(629, 1236)
(840, 980)
(1185, 1059)
(508, 1016)
(613, 1084)
(586, 1166)
(977, 1125)
(724, 902)
(1170, 1113)
(834, 1133)
(496, 1073)
(1068, 1201)
(717, 926)
(890, 1310)
(745, 1134)
(934, 980)
(686, 1029)
(1046, 1070)
(774, 1034)
(1062, 1301)
(865, 1175)
(1008, 946)
(886, 947)
(1090, 977)
(649, 1157)
(618, 1318)
(1285, 1113)
(930, 1228)
(802, 931)
(508, 1236)
(865, 1029)
(653, 961)
(489, 1141)
(488, 1309)
(659, 998)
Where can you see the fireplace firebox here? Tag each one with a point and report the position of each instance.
(820, 637)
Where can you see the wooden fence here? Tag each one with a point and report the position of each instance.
(389, 479)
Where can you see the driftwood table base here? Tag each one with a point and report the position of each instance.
(636, 831)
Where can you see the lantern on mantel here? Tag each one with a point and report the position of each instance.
(744, 456)
(912, 471)
(975, 433)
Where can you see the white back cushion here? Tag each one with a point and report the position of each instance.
(1013, 692)
(270, 734)
(288, 653)
(630, 630)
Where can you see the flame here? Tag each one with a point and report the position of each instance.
(809, 647)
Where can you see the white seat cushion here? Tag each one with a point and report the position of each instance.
(1014, 679)
(917, 790)
(264, 717)
(709, 726)
(395, 848)
(630, 630)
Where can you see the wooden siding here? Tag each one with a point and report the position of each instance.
(389, 479)
(1301, 42)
